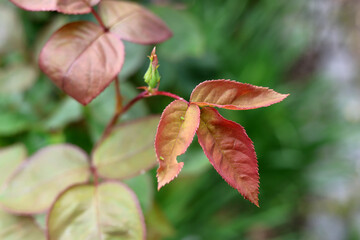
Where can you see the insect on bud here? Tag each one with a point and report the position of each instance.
(152, 76)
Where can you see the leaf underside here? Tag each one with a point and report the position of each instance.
(230, 151)
(132, 22)
(175, 132)
(234, 95)
(36, 183)
(128, 150)
(63, 6)
(107, 211)
(82, 59)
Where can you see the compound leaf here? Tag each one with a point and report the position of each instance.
(133, 23)
(175, 132)
(107, 211)
(36, 183)
(128, 150)
(82, 59)
(64, 6)
(230, 151)
(234, 95)
(19, 228)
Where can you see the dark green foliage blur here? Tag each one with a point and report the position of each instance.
(261, 42)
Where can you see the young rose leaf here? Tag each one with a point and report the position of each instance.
(10, 159)
(234, 95)
(82, 59)
(19, 228)
(133, 23)
(128, 150)
(230, 151)
(107, 211)
(35, 185)
(175, 132)
(64, 6)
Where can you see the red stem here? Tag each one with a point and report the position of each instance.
(122, 111)
(142, 95)
(118, 96)
(98, 18)
(96, 176)
(157, 93)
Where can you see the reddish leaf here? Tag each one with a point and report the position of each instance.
(64, 6)
(132, 22)
(175, 132)
(75, 6)
(234, 95)
(82, 60)
(230, 151)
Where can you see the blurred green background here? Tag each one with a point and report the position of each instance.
(308, 146)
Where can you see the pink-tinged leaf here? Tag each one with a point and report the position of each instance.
(109, 210)
(14, 227)
(75, 6)
(230, 151)
(234, 95)
(175, 132)
(82, 60)
(33, 187)
(128, 150)
(64, 6)
(131, 22)
(10, 159)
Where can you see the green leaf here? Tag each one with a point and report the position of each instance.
(35, 185)
(128, 150)
(13, 123)
(19, 228)
(68, 111)
(108, 211)
(10, 159)
(188, 40)
(176, 131)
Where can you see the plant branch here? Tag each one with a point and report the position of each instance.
(117, 114)
(121, 110)
(98, 18)
(118, 96)
(95, 175)
(158, 93)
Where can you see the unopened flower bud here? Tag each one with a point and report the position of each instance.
(152, 76)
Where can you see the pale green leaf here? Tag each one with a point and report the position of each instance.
(19, 228)
(10, 159)
(128, 150)
(108, 211)
(35, 185)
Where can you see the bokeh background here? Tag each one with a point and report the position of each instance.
(308, 146)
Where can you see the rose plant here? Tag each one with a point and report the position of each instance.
(82, 195)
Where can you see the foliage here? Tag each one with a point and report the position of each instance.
(58, 136)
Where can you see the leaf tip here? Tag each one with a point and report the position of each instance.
(166, 175)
